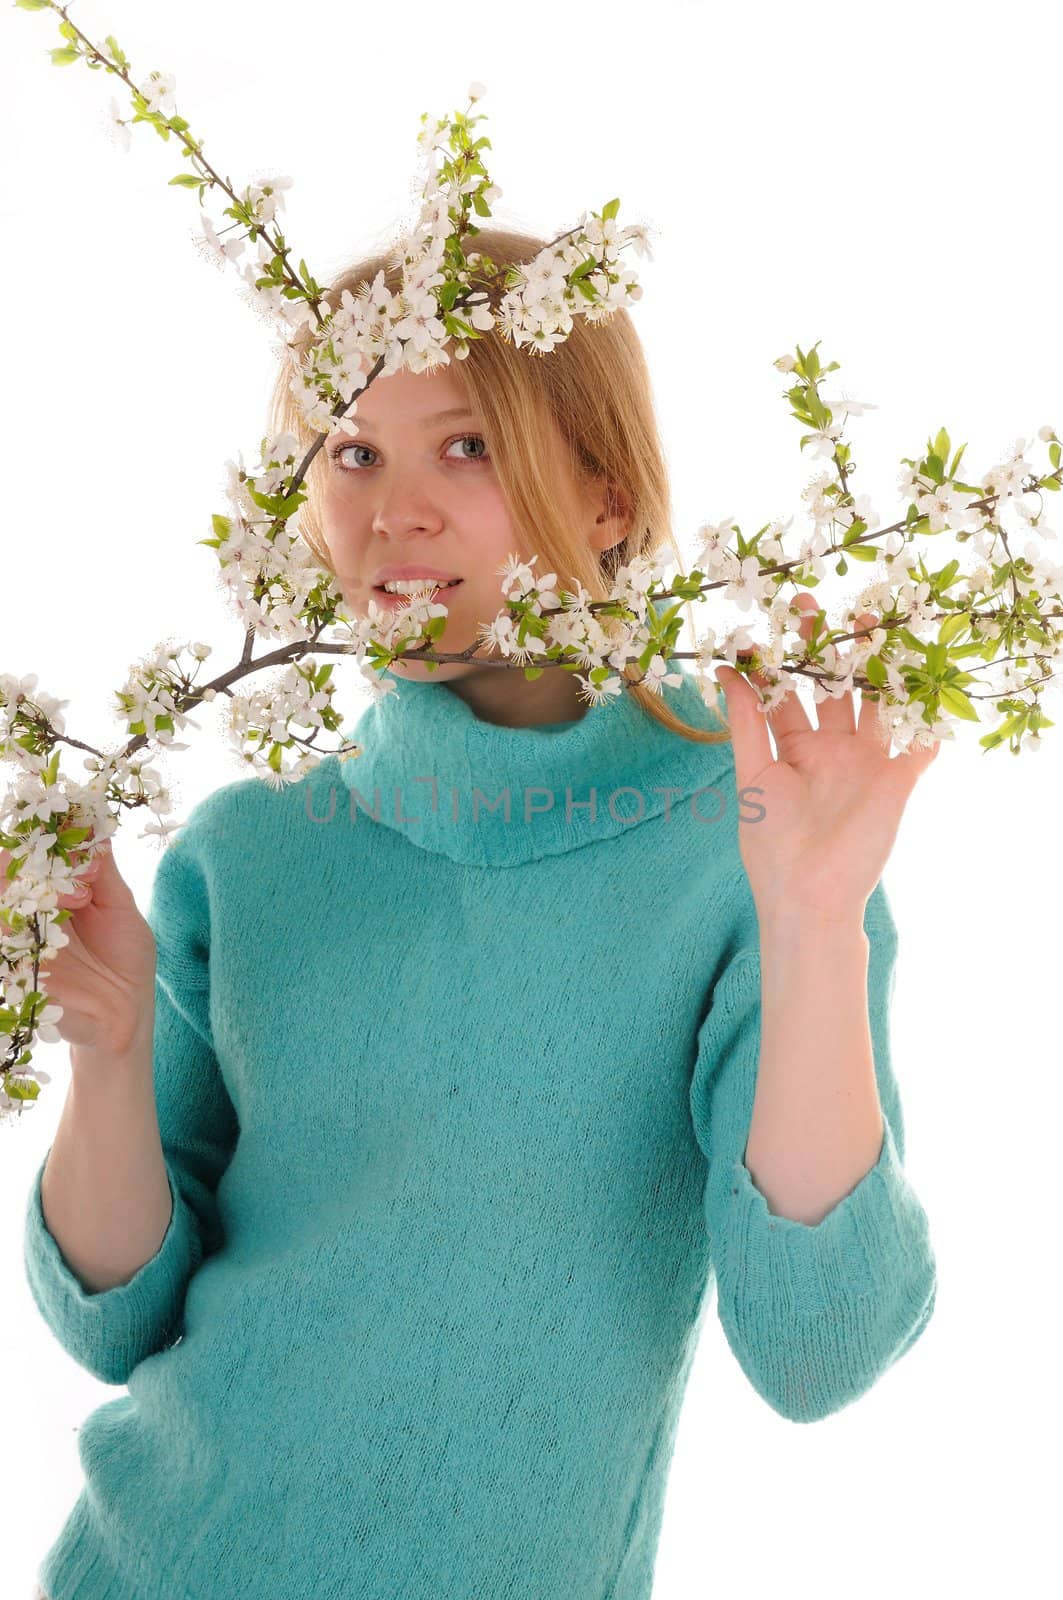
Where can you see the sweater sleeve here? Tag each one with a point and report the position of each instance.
(814, 1314)
(111, 1331)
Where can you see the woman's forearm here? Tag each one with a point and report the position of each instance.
(816, 1127)
(105, 1193)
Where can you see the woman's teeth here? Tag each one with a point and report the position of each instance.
(409, 587)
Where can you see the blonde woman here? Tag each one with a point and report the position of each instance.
(470, 1063)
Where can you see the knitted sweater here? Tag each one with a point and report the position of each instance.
(454, 1092)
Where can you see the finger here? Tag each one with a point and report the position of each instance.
(789, 716)
(109, 888)
(838, 713)
(84, 871)
(95, 883)
(832, 712)
(869, 723)
(78, 896)
(909, 765)
(749, 726)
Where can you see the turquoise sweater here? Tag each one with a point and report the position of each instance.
(454, 1110)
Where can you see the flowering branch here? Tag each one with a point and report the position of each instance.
(929, 620)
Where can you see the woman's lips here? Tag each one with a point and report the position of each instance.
(384, 598)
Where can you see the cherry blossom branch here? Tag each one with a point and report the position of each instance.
(277, 589)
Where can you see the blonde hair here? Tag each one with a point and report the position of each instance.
(592, 391)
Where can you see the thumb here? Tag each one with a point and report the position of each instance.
(109, 888)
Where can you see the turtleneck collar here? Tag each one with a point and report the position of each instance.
(430, 768)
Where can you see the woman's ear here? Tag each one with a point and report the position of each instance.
(613, 517)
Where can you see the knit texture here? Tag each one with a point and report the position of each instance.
(454, 1105)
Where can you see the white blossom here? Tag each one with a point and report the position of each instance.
(157, 90)
(269, 574)
(117, 128)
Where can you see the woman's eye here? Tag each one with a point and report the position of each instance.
(462, 439)
(347, 449)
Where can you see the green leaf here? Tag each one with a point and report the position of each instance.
(277, 505)
(817, 410)
(951, 627)
(941, 445)
(876, 672)
(64, 56)
(187, 180)
(70, 838)
(34, 5)
(936, 657)
(23, 1091)
(581, 271)
(862, 552)
(957, 701)
(1005, 731)
(610, 210)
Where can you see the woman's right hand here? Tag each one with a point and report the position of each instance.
(104, 977)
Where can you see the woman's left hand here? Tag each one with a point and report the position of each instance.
(833, 798)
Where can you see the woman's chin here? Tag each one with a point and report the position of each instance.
(436, 672)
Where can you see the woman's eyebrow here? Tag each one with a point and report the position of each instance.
(441, 416)
(447, 416)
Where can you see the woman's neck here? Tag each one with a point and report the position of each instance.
(503, 697)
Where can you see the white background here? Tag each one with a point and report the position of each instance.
(884, 179)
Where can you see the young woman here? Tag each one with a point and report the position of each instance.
(479, 1056)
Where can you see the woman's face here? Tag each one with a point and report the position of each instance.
(414, 487)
